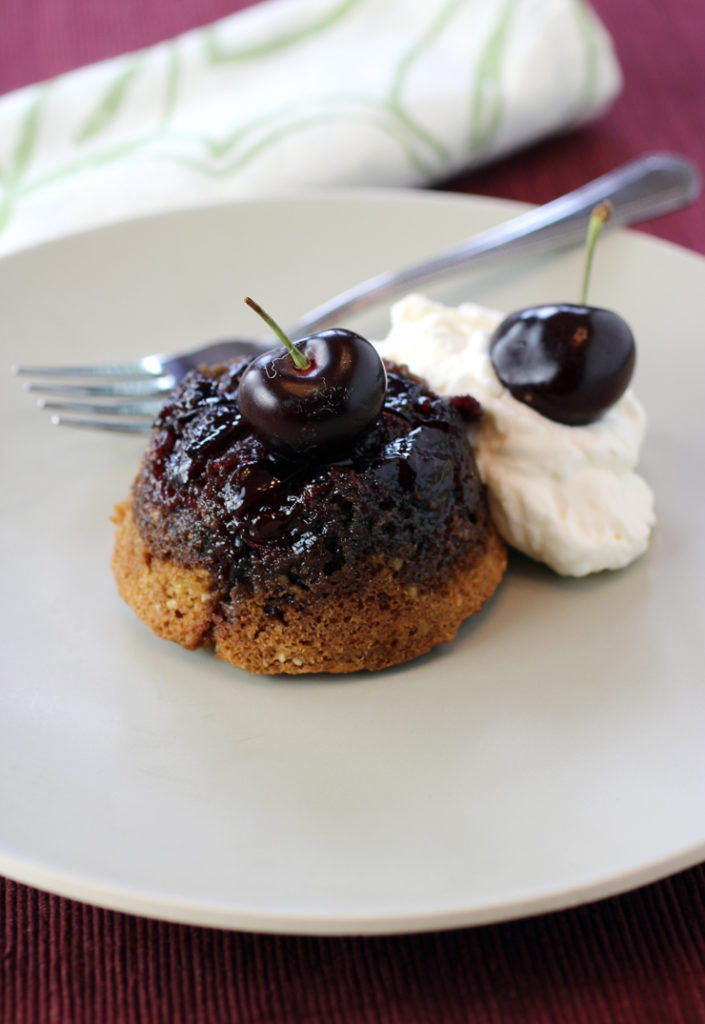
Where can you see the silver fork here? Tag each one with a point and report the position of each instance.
(126, 396)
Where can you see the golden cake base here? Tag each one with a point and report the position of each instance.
(382, 623)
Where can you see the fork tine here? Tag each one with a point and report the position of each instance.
(140, 368)
(156, 387)
(116, 426)
(147, 409)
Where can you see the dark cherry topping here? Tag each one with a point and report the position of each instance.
(405, 492)
(468, 407)
(315, 396)
(570, 363)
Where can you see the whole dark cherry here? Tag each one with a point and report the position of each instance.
(569, 362)
(315, 396)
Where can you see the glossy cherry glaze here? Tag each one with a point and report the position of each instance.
(321, 407)
(568, 362)
(406, 493)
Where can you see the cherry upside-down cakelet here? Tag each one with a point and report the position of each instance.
(320, 517)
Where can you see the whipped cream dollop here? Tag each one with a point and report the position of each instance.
(567, 496)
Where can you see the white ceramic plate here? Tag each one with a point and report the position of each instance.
(554, 755)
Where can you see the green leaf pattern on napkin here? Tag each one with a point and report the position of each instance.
(219, 53)
(486, 110)
(141, 105)
(25, 141)
(26, 138)
(101, 118)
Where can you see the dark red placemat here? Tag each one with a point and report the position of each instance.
(634, 959)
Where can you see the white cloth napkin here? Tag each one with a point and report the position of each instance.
(295, 93)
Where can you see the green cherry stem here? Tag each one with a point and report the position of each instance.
(300, 361)
(600, 215)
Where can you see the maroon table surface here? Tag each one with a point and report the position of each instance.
(639, 957)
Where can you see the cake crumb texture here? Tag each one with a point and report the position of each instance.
(177, 603)
(380, 623)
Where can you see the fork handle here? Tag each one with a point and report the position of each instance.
(649, 186)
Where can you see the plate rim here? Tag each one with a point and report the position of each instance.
(548, 899)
